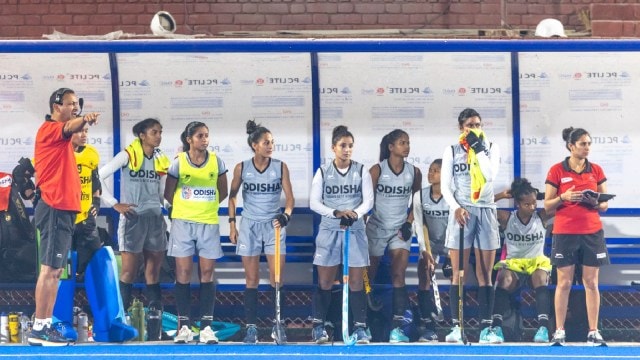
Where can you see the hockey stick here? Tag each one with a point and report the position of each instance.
(461, 285)
(279, 331)
(348, 340)
(373, 303)
(439, 317)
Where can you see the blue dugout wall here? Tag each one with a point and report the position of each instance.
(526, 90)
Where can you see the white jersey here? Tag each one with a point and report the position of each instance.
(392, 195)
(261, 190)
(524, 241)
(456, 178)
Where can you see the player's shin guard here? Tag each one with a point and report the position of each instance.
(183, 304)
(207, 303)
(543, 301)
(251, 305)
(501, 306)
(125, 291)
(426, 307)
(399, 305)
(322, 301)
(154, 293)
(358, 304)
(454, 298)
(485, 300)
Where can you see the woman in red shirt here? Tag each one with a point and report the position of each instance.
(578, 238)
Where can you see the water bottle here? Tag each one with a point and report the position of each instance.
(154, 322)
(25, 327)
(138, 318)
(14, 328)
(83, 327)
(4, 328)
(76, 310)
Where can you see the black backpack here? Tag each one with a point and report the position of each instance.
(18, 247)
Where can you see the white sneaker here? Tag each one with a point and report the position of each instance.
(184, 335)
(208, 336)
(455, 336)
(595, 339)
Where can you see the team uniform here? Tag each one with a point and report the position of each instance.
(481, 229)
(392, 195)
(261, 203)
(333, 190)
(435, 215)
(144, 188)
(85, 237)
(525, 245)
(59, 184)
(195, 228)
(578, 237)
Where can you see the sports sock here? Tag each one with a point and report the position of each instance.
(358, 304)
(251, 305)
(154, 293)
(207, 303)
(502, 304)
(399, 305)
(485, 300)
(543, 300)
(183, 303)
(125, 292)
(426, 307)
(454, 299)
(322, 300)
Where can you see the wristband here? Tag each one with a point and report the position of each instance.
(335, 213)
(232, 219)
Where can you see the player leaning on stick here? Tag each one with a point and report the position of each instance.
(341, 192)
(263, 179)
(431, 211)
(468, 170)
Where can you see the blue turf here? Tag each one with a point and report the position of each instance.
(308, 351)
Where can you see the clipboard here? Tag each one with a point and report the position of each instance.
(602, 197)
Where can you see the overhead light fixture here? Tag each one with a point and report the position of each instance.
(163, 24)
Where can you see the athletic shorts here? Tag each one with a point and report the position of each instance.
(86, 241)
(254, 235)
(56, 234)
(329, 245)
(380, 239)
(582, 249)
(438, 250)
(481, 230)
(191, 238)
(146, 231)
(525, 266)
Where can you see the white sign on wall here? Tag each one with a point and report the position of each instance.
(26, 83)
(420, 93)
(560, 90)
(224, 90)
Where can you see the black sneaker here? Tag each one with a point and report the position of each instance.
(48, 336)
